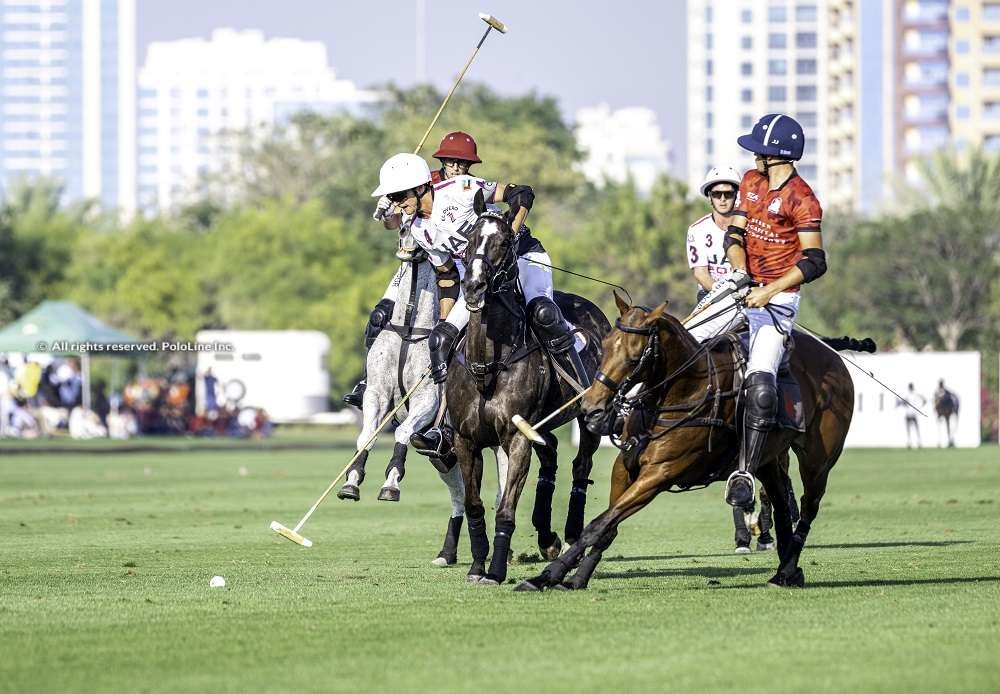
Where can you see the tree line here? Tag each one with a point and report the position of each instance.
(282, 237)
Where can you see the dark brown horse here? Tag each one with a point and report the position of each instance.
(505, 372)
(683, 436)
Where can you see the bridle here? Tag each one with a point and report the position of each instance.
(503, 274)
(623, 401)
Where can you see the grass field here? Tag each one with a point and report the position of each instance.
(106, 559)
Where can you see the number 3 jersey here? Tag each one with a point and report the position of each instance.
(774, 220)
(704, 246)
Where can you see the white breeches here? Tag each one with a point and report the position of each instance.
(536, 280)
(767, 340)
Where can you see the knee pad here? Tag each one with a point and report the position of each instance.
(379, 318)
(442, 338)
(762, 400)
(549, 324)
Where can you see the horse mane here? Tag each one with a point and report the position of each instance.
(679, 332)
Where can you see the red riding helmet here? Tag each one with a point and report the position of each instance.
(458, 145)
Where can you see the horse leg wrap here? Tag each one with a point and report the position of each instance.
(577, 507)
(501, 548)
(359, 467)
(449, 550)
(541, 516)
(477, 535)
(398, 461)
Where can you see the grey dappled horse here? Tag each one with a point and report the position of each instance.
(396, 361)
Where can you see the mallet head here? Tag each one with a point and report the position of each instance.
(290, 534)
(528, 430)
(493, 22)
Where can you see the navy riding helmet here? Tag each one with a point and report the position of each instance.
(775, 135)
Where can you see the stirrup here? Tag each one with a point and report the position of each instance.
(738, 474)
(438, 450)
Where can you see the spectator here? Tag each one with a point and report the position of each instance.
(912, 425)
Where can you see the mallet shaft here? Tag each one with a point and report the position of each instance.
(562, 407)
(368, 445)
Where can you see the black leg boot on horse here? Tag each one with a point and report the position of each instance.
(554, 331)
(761, 410)
(351, 491)
(394, 473)
(376, 321)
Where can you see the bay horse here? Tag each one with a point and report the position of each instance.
(502, 371)
(683, 434)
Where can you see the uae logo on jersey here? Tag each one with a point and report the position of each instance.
(466, 185)
(775, 206)
(752, 196)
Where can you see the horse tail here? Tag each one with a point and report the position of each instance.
(851, 344)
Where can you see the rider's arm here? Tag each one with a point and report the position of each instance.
(518, 197)
(392, 221)
(448, 286)
(702, 277)
(733, 244)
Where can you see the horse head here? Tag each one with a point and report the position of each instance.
(634, 352)
(490, 257)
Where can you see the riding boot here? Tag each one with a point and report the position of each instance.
(759, 418)
(553, 329)
(356, 397)
(378, 319)
(441, 342)
(437, 443)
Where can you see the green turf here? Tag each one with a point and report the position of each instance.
(106, 560)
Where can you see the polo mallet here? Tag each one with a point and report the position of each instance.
(293, 533)
(531, 431)
(493, 23)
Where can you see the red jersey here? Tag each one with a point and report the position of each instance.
(774, 220)
(437, 176)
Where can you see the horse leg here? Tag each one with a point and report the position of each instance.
(456, 488)
(776, 484)
(373, 410)
(581, 578)
(549, 543)
(652, 479)
(420, 412)
(394, 473)
(582, 465)
(471, 462)
(519, 454)
(815, 463)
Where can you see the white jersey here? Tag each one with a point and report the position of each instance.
(704, 247)
(445, 233)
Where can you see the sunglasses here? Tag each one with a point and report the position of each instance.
(400, 196)
(723, 194)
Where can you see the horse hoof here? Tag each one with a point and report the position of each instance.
(562, 586)
(388, 494)
(474, 578)
(527, 587)
(796, 580)
(442, 562)
(488, 580)
(552, 552)
(764, 546)
(349, 492)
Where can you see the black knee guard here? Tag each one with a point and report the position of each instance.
(762, 401)
(441, 342)
(378, 319)
(548, 322)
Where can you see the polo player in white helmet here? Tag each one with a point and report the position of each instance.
(705, 238)
(439, 217)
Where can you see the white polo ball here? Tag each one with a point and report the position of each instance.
(217, 582)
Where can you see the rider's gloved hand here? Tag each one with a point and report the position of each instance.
(738, 282)
(384, 203)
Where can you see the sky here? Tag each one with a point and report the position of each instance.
(583, 53)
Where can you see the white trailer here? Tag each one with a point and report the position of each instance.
(281, 371)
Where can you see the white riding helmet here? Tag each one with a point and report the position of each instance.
(401, 172)
(720, 174)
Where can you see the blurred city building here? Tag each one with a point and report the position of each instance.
(67, 96)
(747, 59)
(621, 144)
(195, 94)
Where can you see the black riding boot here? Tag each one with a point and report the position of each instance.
(759, 418)
(378, 319)
(441, 342)
(553, 329)
(437, 443)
